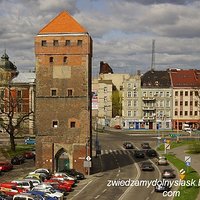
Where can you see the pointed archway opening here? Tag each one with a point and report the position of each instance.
(62, 160)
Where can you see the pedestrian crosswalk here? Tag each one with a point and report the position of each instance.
(117, 151)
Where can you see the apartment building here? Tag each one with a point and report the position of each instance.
(131, 104)
(156, 99)
(186, 98)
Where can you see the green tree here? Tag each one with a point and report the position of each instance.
(116, 103)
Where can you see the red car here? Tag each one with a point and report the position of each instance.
(5, 166)
(29, 155)
(64, 180)
(59, 185)
(11, 189)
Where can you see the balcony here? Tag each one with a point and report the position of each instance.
(148, 108)
(148, 98)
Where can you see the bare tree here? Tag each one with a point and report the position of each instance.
(11, 118)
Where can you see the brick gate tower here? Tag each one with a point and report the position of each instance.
(63, 50)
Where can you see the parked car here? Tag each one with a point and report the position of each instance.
(162, 186)
(18, 160)
(128, 145)
(42, 194)
(65, 175)
(75, 173)
(139, 154)
(33, 180)
(162, 160)
(29, 155)
(147, 166)
(145, 145)
(59, 185)
(49, 190)
(168, 173)
(5, 197)
(64, 180)
(11, 189)
(151, 153)
(117, 126)
(30, 140)
(26, 184)
(43, 171)
(27, 196)
(6, 166)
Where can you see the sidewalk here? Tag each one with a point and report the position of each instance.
(181, 152)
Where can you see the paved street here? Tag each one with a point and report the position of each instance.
(116, 163)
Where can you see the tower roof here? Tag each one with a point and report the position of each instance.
(63, 23)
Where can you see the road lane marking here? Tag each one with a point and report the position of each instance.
(97, 197)
(104, 191)
(136, 178)
(82, 189)
(147, 198)
(152, 191)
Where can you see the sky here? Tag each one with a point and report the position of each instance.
(122, 31)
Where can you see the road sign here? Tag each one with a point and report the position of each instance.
(87, 164)
(88, 158)
(182, 171)
(188, 163)
(188, 159)
(167, 146)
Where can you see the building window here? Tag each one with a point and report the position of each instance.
(196, 93)
(2, 94)
(135, 94)
(186, 93)
(181, 113)
(181, 93)
(65, 59)
(186, 113)
(129, 113)
(53, 92)
(55, 124)
(128, 103)
(195, 113)
(191, 113)
(176, 93)
(167, 94)
(105, 89)
(176, 113)
(121, 88)
(51, 59)
(129, 94)
(19, 94)
(72, 124)
(181, 103)
(129, 85)
(67, 43)
(191, 103)
(191, 93)
(134, 113)
(44, 43)
(19, 107)
(135, 103)
(55, 43)
(79, 43)
(161, 94)
(105, 99)
(144, 94)
(69, 92)
(196, 103)
(186, 103)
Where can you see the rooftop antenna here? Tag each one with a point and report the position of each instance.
(153, 56)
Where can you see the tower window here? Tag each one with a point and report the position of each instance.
(55, 124)
(65, 59)
(69, 92)
(72, 124)
(67, 43)
(51, 59)
(79, 43)
(53, 92)
(44, 43)
(55, 43)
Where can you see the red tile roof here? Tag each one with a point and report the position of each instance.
(63, 23)
(185, 78)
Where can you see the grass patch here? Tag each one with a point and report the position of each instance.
(186, 192)
(194, 148)
(20, 149)
(175, 144)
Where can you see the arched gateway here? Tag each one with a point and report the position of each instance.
(61, 160)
